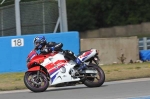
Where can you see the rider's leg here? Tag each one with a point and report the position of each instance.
(81, 64)
(70, 55)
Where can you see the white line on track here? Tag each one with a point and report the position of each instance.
(138, 97)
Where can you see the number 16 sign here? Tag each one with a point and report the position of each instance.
(17, 42)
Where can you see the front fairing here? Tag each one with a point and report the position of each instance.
(31, 55)
(34, 58)
(37, 59)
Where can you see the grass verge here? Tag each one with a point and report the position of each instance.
(14, 81)
(126, 71)
(11, 81)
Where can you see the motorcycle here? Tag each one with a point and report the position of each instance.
(54, 69)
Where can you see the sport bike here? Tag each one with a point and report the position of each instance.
(52, 69)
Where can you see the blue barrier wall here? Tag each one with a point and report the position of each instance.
(14, 49)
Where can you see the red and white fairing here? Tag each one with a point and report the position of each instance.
(58, 67)
(87, 55)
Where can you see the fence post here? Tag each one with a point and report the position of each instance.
(17, 13)
(63, 15)
(145, 43)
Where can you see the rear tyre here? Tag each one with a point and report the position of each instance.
(35, 83)
(90, 82)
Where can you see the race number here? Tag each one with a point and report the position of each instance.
(17, 42)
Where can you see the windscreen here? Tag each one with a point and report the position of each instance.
(31, 55)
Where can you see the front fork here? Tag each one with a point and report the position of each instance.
(36, 79)
(38, 69)
(38, 74)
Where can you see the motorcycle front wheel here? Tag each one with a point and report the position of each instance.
(94, 80)
(36, 82)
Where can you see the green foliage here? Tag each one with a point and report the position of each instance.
(91, 14)
(79, 14)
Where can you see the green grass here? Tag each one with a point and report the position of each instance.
(11, 81)
(126, 71)
(14, 81)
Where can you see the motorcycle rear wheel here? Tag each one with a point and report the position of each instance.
(90, 82)
(36, 84)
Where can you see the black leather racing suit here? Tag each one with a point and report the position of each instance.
(69, 55)
(51, 46)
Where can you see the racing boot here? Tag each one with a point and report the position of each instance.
(81, 64)
(79, 70)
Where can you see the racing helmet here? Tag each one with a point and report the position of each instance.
(39, 42)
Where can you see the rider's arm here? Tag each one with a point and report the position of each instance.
(53, 46)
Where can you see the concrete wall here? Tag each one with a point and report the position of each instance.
(119, 31)
(110, 49)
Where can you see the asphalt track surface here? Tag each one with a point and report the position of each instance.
(127, 89)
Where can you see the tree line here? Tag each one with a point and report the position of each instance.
(92, 14)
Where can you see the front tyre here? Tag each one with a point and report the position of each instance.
(95, 80)
(36, 82)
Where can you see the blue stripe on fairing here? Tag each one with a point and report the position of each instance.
(52, 79)
(84, 58)
(55, 74)
(53, 71)
(31, 56)
(141, 97)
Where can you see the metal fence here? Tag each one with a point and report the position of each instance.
(144, 43)
(36, 17)
(7, 21)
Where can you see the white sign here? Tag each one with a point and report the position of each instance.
(17, 42)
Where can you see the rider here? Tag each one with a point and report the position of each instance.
(41, 44)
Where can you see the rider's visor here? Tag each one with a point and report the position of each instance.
(36, 44)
